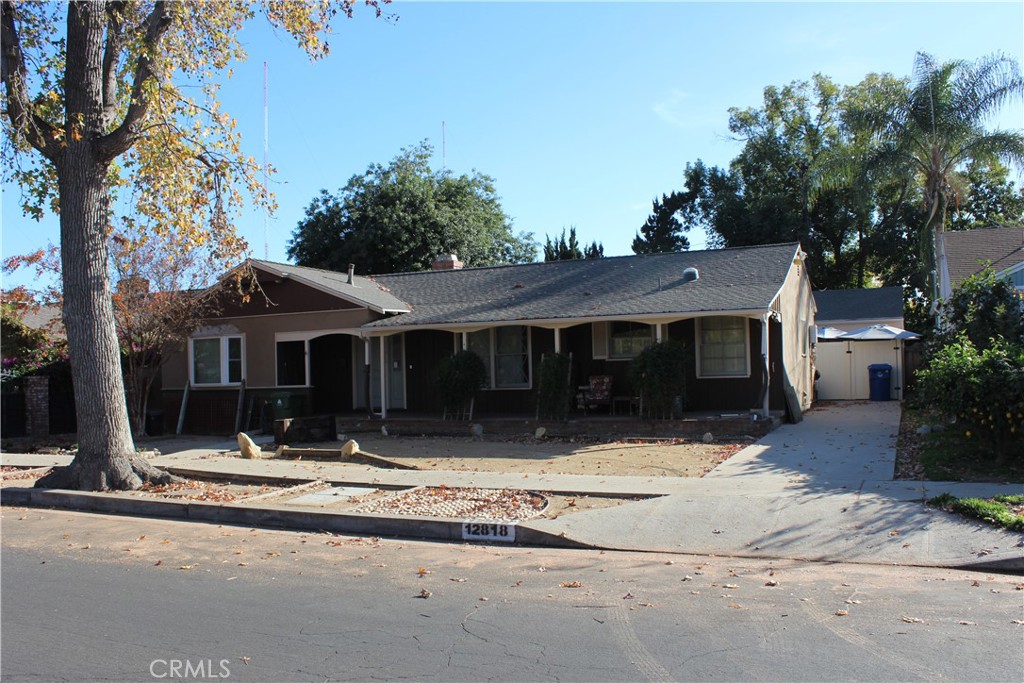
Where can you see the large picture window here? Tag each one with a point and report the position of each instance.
(723, 347)
(217, 360)
(506, 353)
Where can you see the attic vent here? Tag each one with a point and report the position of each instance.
(690, 274)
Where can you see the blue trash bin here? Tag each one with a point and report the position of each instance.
(879, 376)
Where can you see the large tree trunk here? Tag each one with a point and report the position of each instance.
(106, 456)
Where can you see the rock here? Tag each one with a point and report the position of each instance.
(350, 448)
(383, 430)
(707, 438)
(539, 434)
(923, 429)
(250, 451)
(477, 430)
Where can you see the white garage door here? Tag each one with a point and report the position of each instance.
(844, 368)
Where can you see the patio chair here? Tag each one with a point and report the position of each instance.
(598, 392)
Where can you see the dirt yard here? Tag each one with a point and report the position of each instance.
(664, 458)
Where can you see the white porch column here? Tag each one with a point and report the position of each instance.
(657, 333)
(558, 340)
(465, 340)
(765, 317)
(383, 379)
(368, 374)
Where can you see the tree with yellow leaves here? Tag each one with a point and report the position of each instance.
(99, 120)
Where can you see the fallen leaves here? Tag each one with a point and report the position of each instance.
(571, 584)
(911, 620)
(424, 594)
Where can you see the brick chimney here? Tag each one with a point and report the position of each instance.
(446, 262)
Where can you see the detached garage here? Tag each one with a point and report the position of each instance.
(843, 364)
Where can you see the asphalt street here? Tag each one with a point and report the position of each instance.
(90, 597)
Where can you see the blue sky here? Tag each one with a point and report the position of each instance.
(582, 112)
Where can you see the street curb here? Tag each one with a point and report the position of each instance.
(401, 526)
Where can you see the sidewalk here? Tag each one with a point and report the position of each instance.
(819, 490)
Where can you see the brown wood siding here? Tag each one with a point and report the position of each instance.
(738, 394)
(424, 349)
(285, 296)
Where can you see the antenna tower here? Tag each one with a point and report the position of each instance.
(266, 172)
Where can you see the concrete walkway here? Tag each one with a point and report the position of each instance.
(818, 490)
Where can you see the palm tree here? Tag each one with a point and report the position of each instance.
(938, 126)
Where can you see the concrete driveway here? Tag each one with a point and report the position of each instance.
(819, 490)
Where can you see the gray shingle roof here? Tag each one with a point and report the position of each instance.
(363, 290)
(967, 251)
(881, 303)
(741, 279)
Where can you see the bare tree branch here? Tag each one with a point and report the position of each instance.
(40, 134)
(123, 137)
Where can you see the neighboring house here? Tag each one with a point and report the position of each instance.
(843, 364)
(965, 253)
(316, 348)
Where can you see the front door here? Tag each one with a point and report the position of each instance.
(394, 362)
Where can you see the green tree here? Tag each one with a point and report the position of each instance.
(992, 198)
(938, 127)
(664, 228)
(562, 249)
(124, 96)
(419, 213)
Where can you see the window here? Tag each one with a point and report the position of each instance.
(723, 344)
(628, 340)
(291, 363)
(217, 360)
(506, 354)
(511, 357)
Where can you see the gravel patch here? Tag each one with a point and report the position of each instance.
(500, 505)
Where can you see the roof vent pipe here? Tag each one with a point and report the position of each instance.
(351, 273)
(690, 274)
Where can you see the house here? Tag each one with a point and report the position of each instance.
(968, 252)
(331, 343)
(843, 365)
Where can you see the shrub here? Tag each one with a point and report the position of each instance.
(458, 379)
(659, 374)
(554, 394)
(983, 307)
(981, 390)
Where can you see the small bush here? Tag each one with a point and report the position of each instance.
(659, 374)
(458, 378)
(554, 393)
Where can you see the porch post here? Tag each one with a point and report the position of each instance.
(465, 340)
(368, 374)
(657, 333)
(765, 317)
(383, 380)
(558, 340)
